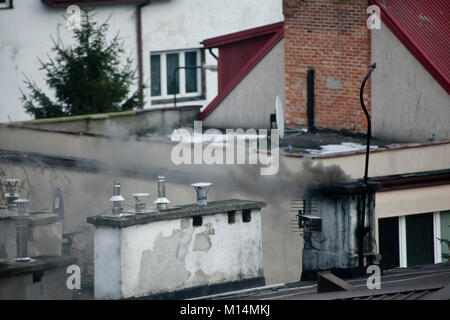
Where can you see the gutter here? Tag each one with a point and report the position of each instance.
(139, 49)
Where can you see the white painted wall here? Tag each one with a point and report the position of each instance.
(170, 255)
(166, 25)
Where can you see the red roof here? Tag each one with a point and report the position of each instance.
(423, 26)
(239, 53)
(66, 3)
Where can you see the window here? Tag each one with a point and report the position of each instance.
(166, 79)
(412, 240)
(6, 4)
(389, 243)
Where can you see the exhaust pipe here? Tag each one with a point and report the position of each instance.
(22, 221)
(117, 199)
(162, 202)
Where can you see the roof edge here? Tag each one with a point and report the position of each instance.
(61, 4)
(243, 35)
(412, 48)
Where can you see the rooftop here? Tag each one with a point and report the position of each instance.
(426, 282)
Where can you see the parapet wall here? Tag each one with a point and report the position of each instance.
(125, 123)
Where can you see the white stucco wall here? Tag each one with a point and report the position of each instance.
(408, 104)
(170, 255)
(166, 25)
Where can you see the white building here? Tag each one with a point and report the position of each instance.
(171, 34)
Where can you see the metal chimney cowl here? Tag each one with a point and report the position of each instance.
(202, 189)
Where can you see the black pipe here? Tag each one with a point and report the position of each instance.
(212, 53)
(139, 50)
(175, 82)
(310, 99)
(362, 229)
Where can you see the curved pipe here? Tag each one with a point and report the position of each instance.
(362, 229)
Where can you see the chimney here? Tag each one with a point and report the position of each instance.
(331, 220)
(177, 253)
(202, 189)
(162, 202)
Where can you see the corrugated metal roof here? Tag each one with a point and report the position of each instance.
(423, 27)
(406, 295)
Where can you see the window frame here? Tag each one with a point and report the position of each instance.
(182, 95)
(7, 5)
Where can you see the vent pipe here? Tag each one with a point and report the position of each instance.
(22, 221)
(117, 199)
(140, 205)
(162, 202)
(202, 189)
(12, 194)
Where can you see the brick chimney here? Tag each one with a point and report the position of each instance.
(331, 39)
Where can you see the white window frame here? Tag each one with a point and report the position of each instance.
(436, 234)
(181, 74)
(7, 5)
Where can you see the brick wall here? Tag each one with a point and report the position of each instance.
(331, 37)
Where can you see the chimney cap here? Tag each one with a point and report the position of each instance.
(201, 184)
(117, 198)
(140, 194)
(162, 200)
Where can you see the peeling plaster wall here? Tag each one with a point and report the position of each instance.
(166, 256)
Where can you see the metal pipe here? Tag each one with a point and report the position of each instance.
(116, 199)
(202, 189)
(362, 229)
(22, 220)
(204, 66)
(139, 50)
(162, 202)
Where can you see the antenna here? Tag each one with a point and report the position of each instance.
(279, 111)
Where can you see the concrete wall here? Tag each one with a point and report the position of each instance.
(162, 120)
(408, 104)
(166, 25)
(251, 102)
(42, 279)
(412, 201)
(44, 236)
(86, 193)
(170, 255)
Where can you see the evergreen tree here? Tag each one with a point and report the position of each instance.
(87, 78)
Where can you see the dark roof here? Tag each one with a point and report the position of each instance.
(270, 34)
(66, 3)
(426, 282)
(423, 28)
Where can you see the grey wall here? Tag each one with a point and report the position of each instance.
(408, 104)
(251, 102)
(162, 120)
